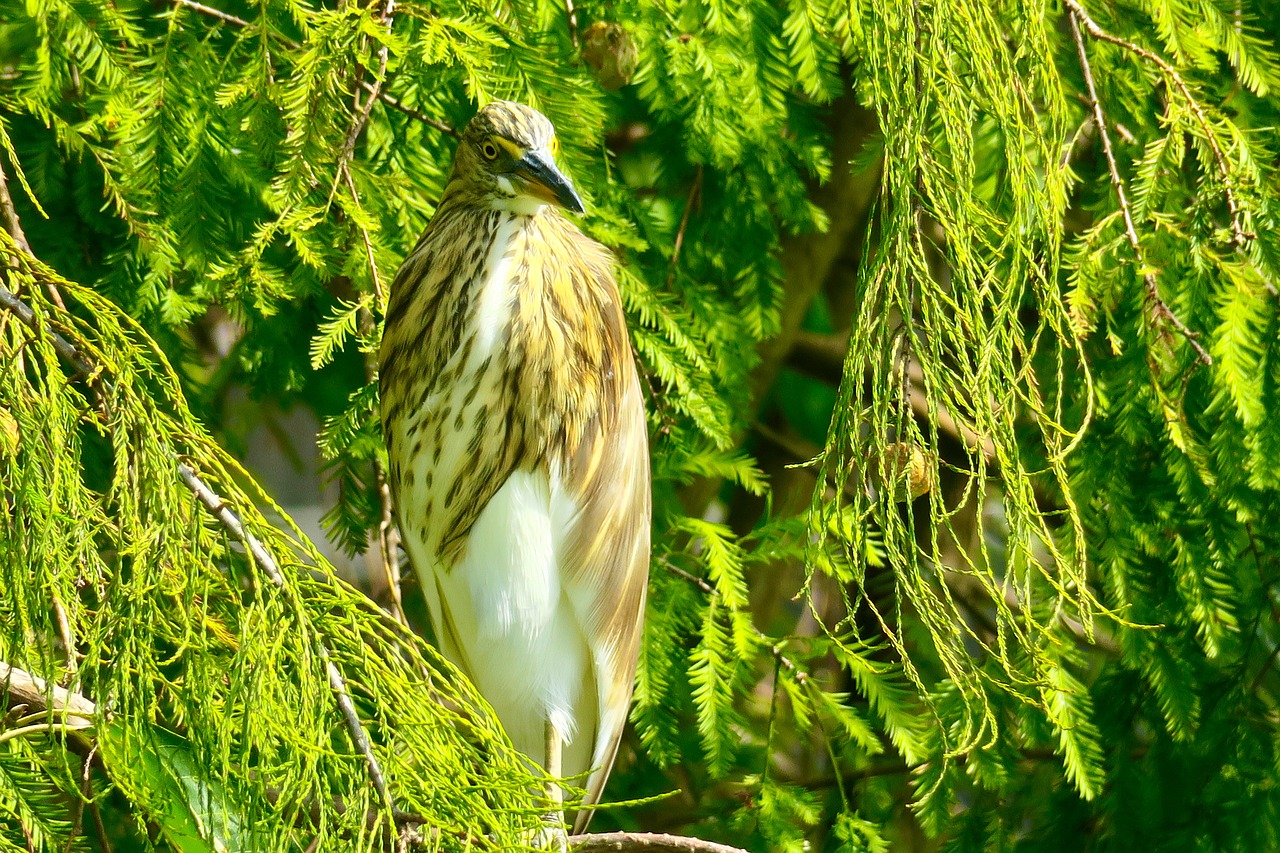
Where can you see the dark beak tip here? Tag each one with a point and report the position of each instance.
(543, 172)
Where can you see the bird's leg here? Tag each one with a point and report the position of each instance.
(559, 837)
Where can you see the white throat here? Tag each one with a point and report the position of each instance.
(512, 201)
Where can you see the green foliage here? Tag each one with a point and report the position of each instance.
(1005, 571)
(193, 813)
(178, 620)
(35, 800)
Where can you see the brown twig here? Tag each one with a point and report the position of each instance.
(390, 101)
(1078, 14)
(388, 534)
(1162, 310)
(9, 215)
(99, 827)
(226, 18)
(374, 90)
(798, 672)
(23, 688)
(389, 543)
(694, 189)
(620, 842)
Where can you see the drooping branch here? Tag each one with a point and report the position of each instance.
(33, 692)
(1078, 13)
(221, 511)
(822, 356)
(231, 521)
(1075, 17)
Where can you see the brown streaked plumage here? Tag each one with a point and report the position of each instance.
(518, 451)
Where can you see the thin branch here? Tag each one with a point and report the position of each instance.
(99, 826)
(700, 583)
(23, 688)
(69, 352)
(1078, 13)
(9, 215)
(390, 101)
(1266, 668)
(226, 18)
(388, 534)
(1161, 308)
(415, 114)
(89, 800)
(798, 672)
(389, 544)
(374, 89)
(573, 21)
(620, 842)
(379, 292)
(694, 190)
(228, 518)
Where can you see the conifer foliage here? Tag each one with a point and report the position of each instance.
(959, 324)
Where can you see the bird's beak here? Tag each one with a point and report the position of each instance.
(543, 180)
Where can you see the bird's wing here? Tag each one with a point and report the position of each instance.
(606, 565)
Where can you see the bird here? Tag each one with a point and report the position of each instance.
(517, 447)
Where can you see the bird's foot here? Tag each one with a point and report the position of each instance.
(552, 836)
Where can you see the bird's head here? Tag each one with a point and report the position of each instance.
(506, 161)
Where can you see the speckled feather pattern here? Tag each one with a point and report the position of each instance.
(506, 353)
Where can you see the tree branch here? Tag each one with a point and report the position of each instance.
(9, 215)
(620, 842)
(1075, 17)
(1078, 13)
(23, 688)
(9, 218)
(694, 190)
(374, 90)
(228, 518)
(388, 536)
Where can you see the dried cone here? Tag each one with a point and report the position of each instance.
(909, 471)
(609, 51)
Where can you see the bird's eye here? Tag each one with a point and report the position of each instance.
(489, 150)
